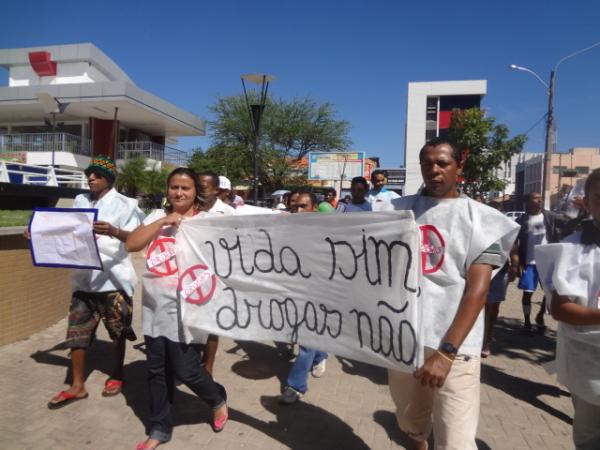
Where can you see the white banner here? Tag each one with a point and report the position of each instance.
(341, 283)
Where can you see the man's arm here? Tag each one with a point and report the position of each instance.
(437, 366)
(564, 310)
(106, 229)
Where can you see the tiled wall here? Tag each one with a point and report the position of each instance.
(31, 298)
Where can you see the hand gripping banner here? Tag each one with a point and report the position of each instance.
(347, 284)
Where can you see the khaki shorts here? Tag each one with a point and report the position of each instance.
(452, 411)
(115, 308)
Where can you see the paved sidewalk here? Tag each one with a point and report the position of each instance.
(522, 406)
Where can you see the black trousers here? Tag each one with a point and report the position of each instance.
(167, 361)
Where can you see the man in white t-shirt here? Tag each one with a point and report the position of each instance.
(462, 242)
(209, 183)
(380, 197)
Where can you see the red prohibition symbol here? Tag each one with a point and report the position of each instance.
(429, 249)
(160, 257)
(197, 284)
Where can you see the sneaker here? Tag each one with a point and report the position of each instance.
(318, 370)
(289, 396)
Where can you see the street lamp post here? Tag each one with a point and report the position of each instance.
(255, 112)
(51, 106)
(550, 142)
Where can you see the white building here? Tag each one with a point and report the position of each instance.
(428, 114)
(60, 105)
(508, 172)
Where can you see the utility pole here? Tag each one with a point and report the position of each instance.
(550, 143)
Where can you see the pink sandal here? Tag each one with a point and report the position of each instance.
(112, 387)
(219, 423)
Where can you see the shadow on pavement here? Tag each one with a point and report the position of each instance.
(377, 375)
(525, 390)
(261, 361)
(98, 358)
(387, 420)
(300, 426)
(513, 342)
(303, 426)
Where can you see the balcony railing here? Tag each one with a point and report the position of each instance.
(152, 150)
(42, 175)
(44, 142)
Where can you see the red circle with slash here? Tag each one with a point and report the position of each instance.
(199, 294)
(162, 245)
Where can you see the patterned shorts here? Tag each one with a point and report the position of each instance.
(115, 308)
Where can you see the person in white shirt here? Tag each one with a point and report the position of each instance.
(359, 189)
(570, 274)
(208, 195)
(169, 351)
(380, 197)
(462, 242)
(102, 294)
(226, 195)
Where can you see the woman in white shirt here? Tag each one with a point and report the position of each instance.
(169, 355)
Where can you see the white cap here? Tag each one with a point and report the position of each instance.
(224, 183)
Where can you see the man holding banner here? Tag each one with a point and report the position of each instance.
(102, 294)
(462, 242)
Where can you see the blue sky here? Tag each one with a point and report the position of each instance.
(358, 55)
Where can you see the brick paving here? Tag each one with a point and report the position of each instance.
(522, 407)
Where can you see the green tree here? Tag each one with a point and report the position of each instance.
(131, 176)
(486, 147)
(135, 178)
(289, 130)
(229, 161)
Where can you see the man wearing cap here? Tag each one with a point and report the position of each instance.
(102, 294)
(226, 195)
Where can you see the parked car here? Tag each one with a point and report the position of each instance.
(514, 215)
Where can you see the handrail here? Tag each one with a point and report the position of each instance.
(42, 175)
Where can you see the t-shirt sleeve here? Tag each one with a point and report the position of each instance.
(154, 216)
(136, 216)
(492, 256)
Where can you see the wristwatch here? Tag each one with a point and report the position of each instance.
(449, 349)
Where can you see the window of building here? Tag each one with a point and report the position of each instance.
(558, 169)
(430, 134)
(582, 170)
(432, 109)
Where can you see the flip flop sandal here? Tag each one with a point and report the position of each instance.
(64, 398)
(112, 388)
(219, 424)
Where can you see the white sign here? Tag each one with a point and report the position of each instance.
(64, 237)
(335, 165)
(342, 283)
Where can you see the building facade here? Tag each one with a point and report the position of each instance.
(509, 173)
(428, 115)
(66, 103)
(567, 168)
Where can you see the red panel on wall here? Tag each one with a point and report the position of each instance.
(102, 137)
(42, 64)
(445, 118)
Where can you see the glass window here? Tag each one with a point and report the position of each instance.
(582, 170)
(432, 109)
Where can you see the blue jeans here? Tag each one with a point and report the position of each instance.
(307, 358)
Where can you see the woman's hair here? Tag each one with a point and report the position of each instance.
(594, 177)
(184, 171)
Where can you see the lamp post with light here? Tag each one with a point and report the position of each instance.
(255, 112)
(550, 126)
